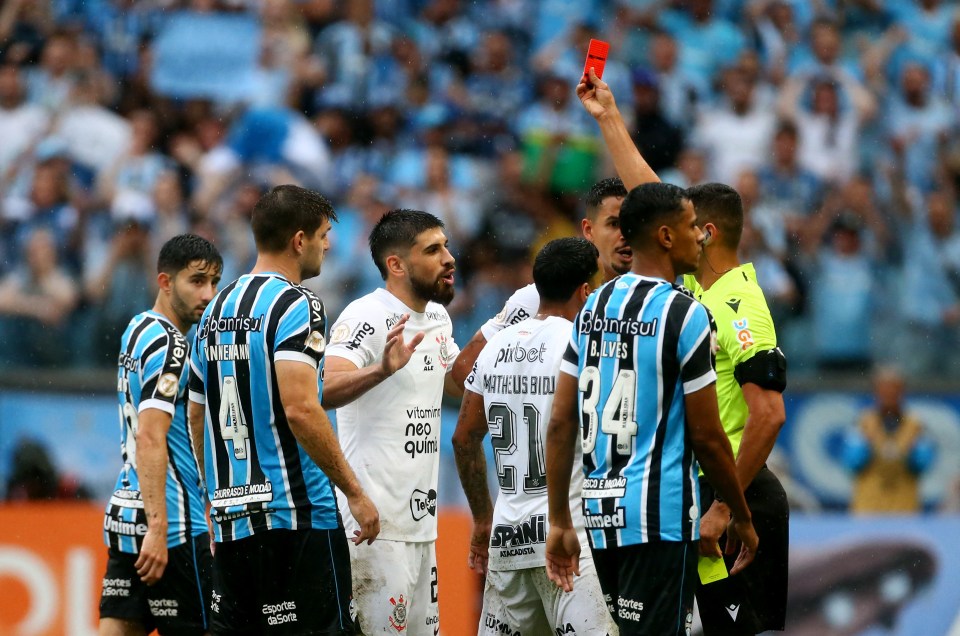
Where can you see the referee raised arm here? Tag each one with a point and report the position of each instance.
(751, 376)
(638, 375)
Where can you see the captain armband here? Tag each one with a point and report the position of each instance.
(766, 369)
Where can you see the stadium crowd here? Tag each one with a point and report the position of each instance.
(126, 122)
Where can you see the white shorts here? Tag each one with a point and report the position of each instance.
(395, 588)
(527, 602)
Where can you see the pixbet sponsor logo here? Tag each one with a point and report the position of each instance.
(517, 353)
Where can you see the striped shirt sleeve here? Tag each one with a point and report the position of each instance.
(695, 348)
(163, 361)
(300, 333)
(570, 364)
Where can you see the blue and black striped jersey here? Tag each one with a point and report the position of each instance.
(638, 346)
(151, 374)
(258, 477)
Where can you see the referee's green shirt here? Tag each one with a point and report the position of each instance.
(744, 327)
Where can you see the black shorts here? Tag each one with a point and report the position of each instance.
(177, 604)
(649, 586)
(755, 600)
(283, 582)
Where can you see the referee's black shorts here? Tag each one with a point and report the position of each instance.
(755, 600)
(283, 582)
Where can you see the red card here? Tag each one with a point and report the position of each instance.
(596, 57)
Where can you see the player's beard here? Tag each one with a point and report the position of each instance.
(181, 307)
(436, 290)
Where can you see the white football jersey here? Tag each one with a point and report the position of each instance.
(523, 304)
(516, 373)
(390, 435)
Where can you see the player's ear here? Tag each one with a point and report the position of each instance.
(297, 242)
(165, 282)
(585, 290)
(586, 228)
(395, 265)
(665, 236)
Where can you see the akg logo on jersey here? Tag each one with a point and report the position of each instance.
(743, 333)
(516, 540)
(398, 618)
(517, 353)
(423, 504)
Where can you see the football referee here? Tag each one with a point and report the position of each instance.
(751, 376)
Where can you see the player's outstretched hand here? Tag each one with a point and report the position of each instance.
(563, 557)
(397, 353)
(153, 557)
(479, 547)
(741, 533)
(712, 526)
(367, 515)
(596, 96)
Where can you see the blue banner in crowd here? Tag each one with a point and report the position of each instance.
(210, 56)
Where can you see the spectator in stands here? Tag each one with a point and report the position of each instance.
(659, 140)
(46, 206)
(22, 124)
(789, 192)
(888, 452)
(559, 142)
(946, 73)
(116, 281)
(829, 131)
(917, 120)
(50, 83)
(736, 133)
(680, 91)
(710, 42)
(346, 49)
(458, 209)
(36, 301)
(139, 167)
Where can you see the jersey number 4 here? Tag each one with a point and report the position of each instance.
(501, 417)
(618, 418)
(233, 426)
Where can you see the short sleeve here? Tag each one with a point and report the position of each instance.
(695, 348)
(453, 350)
(570, 364)
(359, 335)
(163, 367)
(198, 370)
(474, 381)
(744, 328)
(523, 304)
(300, 334)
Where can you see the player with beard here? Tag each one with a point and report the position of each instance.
(388, 365)
(601, 226)
(159, 487)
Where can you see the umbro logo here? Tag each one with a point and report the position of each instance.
(733, 610)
